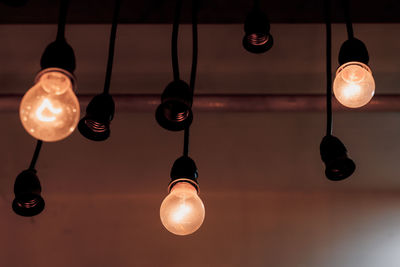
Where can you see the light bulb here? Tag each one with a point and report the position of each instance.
(354, 85)
(182, 211)
(50, 110)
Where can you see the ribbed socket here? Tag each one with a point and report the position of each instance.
(257, 37)
(353, 50)
(338, 166)
(95, 125)
(184, 169)
(28, 200)
(175, 111)
(58, 54)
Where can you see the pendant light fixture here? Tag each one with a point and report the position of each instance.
(257, 38)
(175, 111)
(100, 111)
(338, 165)
(354, 85)
(28, 201)
(49, 111)
(182, 211)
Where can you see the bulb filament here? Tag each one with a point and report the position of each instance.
(180, 214)
(352, 90)
(46, 104)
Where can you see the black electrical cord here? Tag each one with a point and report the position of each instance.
(111, 48)
(62, 18)
(174, 40)
(328, 67)
(186, 141)
(36, 155)
(194, 44)
(194, 68)
(349, 25)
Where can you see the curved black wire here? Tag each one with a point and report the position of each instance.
(174, 40)
(349, 25)
(328, 67)
(36, 154)
(193, 71)
(62, 18)
(111, 48)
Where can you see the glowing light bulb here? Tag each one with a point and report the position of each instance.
(354, 85)
(50, 110)
(182, 211)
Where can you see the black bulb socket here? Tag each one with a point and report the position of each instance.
(184, 170)
(353, 50)
(28, 201)
(58, 54)
(175, 111)
(257, 38)
(338, 166)
(95, 125)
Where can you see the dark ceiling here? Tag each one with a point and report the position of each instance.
(211, 11)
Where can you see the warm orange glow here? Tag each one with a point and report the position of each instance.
(50, 111)
(46, 111)
(182, 211)
(354, 85)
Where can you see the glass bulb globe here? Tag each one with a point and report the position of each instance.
(182, 211)
(50, 110)
(354, 85)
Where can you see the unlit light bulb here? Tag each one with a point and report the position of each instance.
(354, 85)
(50, 110)
(182, 211)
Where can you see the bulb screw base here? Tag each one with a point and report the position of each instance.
(184, 170)
(95, 125)
(257, 37)
(28, 202)
(353, 50)
(175, 111)
(338, 166)
(58, 54)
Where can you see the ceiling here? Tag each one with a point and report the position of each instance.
(210, 11)
(261, 178)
